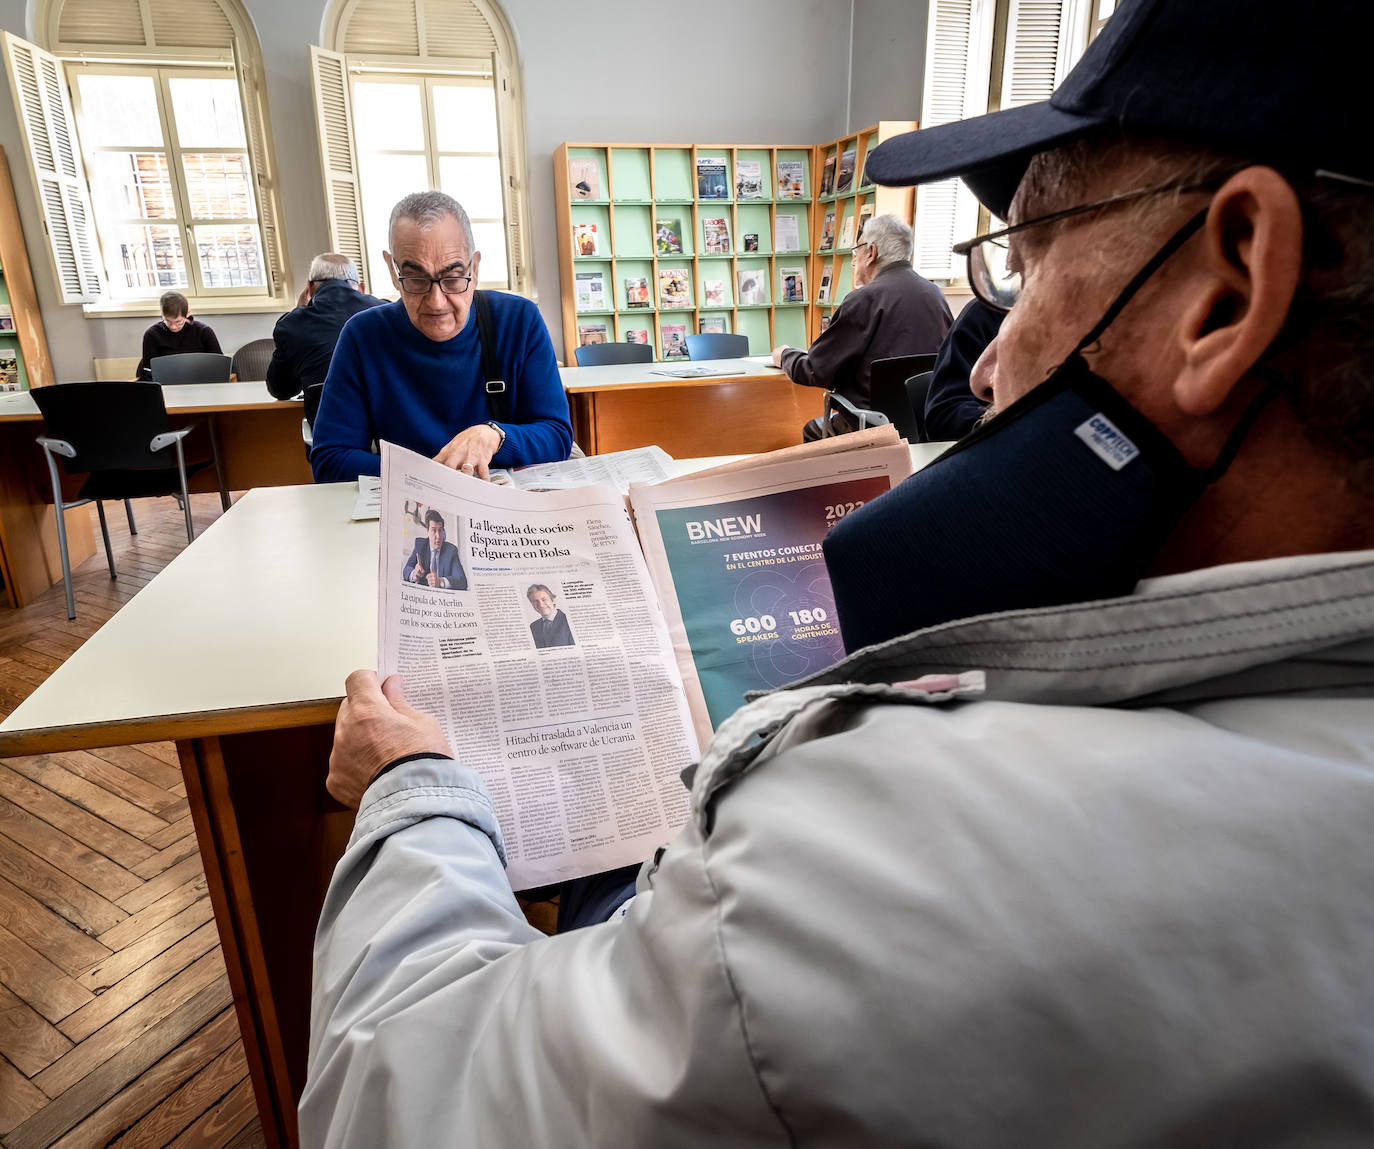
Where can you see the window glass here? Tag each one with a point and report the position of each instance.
(385, 179)
(388, 117)
(119, 111)
(148, 257)
(475, 182)
(133, 185)
(465, 118)
(207, 112)
(230, 256)
(218, 185)
(491, 242)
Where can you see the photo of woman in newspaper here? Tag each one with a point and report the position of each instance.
(551, 627)
(434, 562)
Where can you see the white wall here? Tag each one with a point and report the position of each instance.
(635, 71)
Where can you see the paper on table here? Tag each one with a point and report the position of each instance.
(616, 469)
(369, 504)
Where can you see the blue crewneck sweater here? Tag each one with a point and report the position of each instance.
(387, 381)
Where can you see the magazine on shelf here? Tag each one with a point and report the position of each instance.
(585, 176)
(637, 335)
(713, 291)
(6, 317)
(588, 333)
(861, 173)
(591, 290)
(9, 371)
(791, 285)
(791, 179)
(713, 182)
(825, 322)
(674, 340)
(668, 236)
(748, 179)
(828, 176)
(585, 241)
(751, 241)
(845, 180)
(847, 232)
(752, 284)
(828, 232)
(865, 214)
(715, 234)
(786, 234)
(711, 325)
(674, 287)
(824, 295)
(636, 291)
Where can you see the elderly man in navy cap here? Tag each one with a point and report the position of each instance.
(1074, 848)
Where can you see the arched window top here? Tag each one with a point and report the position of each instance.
(143, 27)
(424, 29)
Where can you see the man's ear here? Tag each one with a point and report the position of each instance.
(1244, 281)
(391, 267)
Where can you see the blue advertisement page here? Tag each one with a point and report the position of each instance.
(752, 586)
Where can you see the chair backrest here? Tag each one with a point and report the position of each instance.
(251, 360)
(887, 391)
(717, 345)
(117, 370)
(917, 388)
(601, 354)
(191, 367)
(109, 424)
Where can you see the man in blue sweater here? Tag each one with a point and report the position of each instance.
(411, 372)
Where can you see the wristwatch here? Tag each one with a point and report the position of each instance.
(495, 426)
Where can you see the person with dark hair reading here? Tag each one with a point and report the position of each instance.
(434, 562)
(176, 333)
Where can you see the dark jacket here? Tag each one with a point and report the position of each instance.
(160, 339)
(951, 408)
(897, 313)
(554, 631)
(305, 340)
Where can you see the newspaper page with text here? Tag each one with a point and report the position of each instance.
(527, 625)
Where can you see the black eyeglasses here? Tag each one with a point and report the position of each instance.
(424, 284)
(999, 287)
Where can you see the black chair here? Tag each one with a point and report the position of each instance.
(717, 345)
(117, 435)
(250, 361)
(191, 367)
(917, 388)
(860, 418)
(888, 392)
(604, 354)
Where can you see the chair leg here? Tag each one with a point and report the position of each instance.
(185, 495)
(60, 508)
(105, 534)
(129, 510)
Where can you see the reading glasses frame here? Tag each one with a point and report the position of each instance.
(448, 284)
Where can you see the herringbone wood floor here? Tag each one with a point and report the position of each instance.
(116, 1024)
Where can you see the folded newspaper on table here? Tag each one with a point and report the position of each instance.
(580, 679)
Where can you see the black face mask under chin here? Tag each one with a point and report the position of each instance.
(1066, 496)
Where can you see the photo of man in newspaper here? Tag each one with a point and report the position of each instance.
(551, 627)
(434, 562)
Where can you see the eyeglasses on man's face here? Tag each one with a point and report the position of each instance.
(424, 284)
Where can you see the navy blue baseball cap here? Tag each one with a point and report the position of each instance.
(1272, 81)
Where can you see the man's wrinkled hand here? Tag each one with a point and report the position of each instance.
(470, 451)
(777, 355)
(375, 727)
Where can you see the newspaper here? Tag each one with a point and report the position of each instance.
(526, 623)
(618, 469)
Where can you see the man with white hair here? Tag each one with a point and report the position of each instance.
(898, 312)
(466, 377)
(305, 337)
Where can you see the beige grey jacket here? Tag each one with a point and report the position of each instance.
(1123, 896)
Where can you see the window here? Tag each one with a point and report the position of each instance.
(147, 135)
(422, 94)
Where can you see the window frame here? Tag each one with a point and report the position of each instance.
(185, 221)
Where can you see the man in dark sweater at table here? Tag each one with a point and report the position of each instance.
(176, 333)
(305, 337)
(891, 311)
(411, 372)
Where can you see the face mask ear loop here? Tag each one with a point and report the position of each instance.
(1274, 386)
(1179, 238)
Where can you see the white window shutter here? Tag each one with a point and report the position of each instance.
(1038, 51)
(338, 158)
(254, 105)
(958, 55)
(48, 129)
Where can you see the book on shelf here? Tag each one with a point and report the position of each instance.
(712, 180)
(6, 317)
(640, 588)
(828, 176)
(752, 284)
(714, 292)
(9, 371)
(636, 291)
(865, 214)
(674, 287)
(748, 179)
(791, 285)
(591, 290)
(589, 333)
(751, 241)
(637, 335)
(715, 234)
(791, 179)
(674, 340)
(585, 177)
(786, 233)
(585, 239)
(668, 235)
(861, 172)
(828, 232)
(845, 179)
(825, 322)
(847, 232)
(824, 294)
(711, 325)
